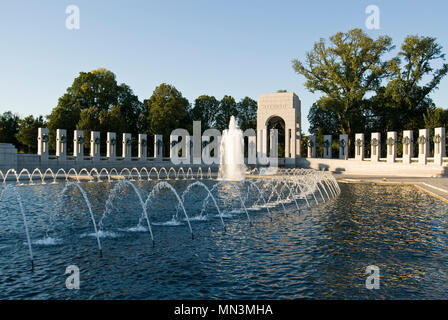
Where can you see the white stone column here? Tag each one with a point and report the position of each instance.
(273, 154)
(127, 146)
(262, 147)
(312, 146)
(142, 147)
(205, 145)
(251, 150)
(287, 143)
(293, 147)
(111, 146)
(327, 144)
(61, 144)
(95, 145)
(42, 143)
(439, 145)
(391, 146)
(343, 146)
(78, 145)
(189, 150)
(375, 146)
(296, 143)
(423, 145)
(158, 147)
(359, 146)
(174, 148)
(408, 146)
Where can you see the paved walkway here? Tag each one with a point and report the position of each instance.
(437, 187)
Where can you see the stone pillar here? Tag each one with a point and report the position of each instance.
(273, 153)
(423, 145)
(262, 147)
(391, 146)
(127, 146)
(78, 145)
(328, 141)
(343, 146)
(205, 141)
(111, 146)
(173, 145)
(95, 145)
(296, 143)
(375, 146)
(287, 143)
(439, 145)
(61, 144)
(408, 146)
(293, 147)
(359, 146)
(312, 146)
(251, 149)
(189, 150)
(142, 147)
(158, 147)
(42, 143)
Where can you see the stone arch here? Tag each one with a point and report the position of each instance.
(276, 122)
(286, 106)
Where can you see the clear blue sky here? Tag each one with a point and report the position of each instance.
(241, 48)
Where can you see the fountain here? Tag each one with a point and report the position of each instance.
(232, 167)
(98, 209)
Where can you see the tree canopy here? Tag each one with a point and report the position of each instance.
(345, 71)
(27, 133)
(362, 91)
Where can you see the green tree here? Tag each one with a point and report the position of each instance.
(204, 110)
(131, 109)
(89, 121)
(227, 108)
(27, 134)
(247, 113)
(324, 120)
(167, 110)
(403, 102)
(96, 91)
(345, 72)
(9, 126)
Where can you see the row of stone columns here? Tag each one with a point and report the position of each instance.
(423, 143)
(111, 150)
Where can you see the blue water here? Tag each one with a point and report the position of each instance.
(320, 252)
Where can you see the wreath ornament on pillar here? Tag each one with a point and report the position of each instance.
(422, 142)
(326, 145)
(390, 142)
(406, 142)
(375, 145)
(343, 144)
(359, 144)
(437, 140)
(45, 138)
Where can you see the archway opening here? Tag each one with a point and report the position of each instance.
(278, 124)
